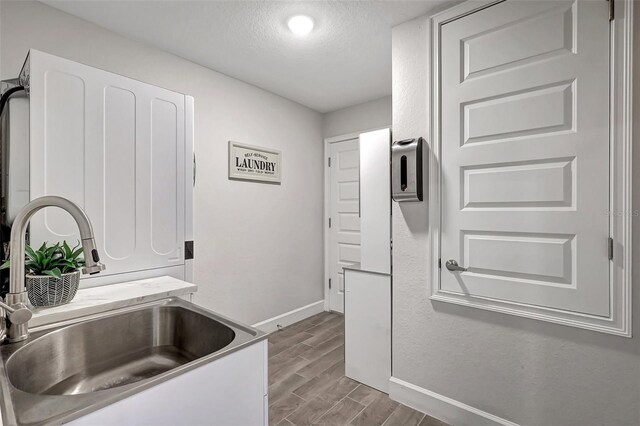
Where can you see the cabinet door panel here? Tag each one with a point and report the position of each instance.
(63, 170)
(367, 322)
(116, 147)
(375, 201)
(164, 177)
(119, 172)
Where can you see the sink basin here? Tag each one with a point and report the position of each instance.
(67, 370)
(115, 351)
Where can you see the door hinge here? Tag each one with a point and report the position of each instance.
(329, 222)
(329, 161)
(188, 250)
(610, 248)
(439, 263)
(612, 8)
(329, 283)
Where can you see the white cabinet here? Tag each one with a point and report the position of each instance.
(117, 147)
(375, 201)
(228, 391)
(367, 333)
(367, 301)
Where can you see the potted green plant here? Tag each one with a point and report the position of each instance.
(52, 273)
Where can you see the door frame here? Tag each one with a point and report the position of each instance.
(620, 209)
(327, 203)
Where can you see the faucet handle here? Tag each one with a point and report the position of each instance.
(18, 314)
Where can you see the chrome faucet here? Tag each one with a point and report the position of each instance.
(15, 316)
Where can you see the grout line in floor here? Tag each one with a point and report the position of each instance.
(359, 412)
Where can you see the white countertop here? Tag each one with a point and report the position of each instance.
(113, 296)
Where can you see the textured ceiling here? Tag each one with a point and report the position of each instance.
(346, 60)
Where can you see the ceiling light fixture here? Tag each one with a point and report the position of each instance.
(300, 25)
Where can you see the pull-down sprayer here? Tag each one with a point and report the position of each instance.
(17, 328)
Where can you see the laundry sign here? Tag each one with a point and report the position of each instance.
(248, 162)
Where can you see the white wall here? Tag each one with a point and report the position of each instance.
(526, 371)
(258, 247)
(366, 116)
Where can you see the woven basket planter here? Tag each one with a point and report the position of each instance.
(50, 291)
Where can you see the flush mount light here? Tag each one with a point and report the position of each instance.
(300, 25)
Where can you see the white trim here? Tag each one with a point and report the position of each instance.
(270, 325)
(441, 407)
(327, 203)
(325, 227)
(621, 163)
(619, 323)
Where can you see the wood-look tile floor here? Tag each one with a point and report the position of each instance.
(307, 385)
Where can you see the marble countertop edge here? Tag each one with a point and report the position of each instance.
(95, 300)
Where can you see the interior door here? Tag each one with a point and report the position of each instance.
(344, 231)
(525, 154)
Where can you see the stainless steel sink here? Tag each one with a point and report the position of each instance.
(67, 370)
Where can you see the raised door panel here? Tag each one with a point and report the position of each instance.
(64, 151)
(544, 184)
(119, 162)
(57, 150)
(550, 110)
(160, 176)
(164, 176)
(539, 36)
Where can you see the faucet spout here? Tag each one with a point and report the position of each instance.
(17, 297)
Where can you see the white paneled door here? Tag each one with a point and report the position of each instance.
(525, 154)
(344, 231)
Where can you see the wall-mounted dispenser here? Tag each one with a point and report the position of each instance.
(406, 170)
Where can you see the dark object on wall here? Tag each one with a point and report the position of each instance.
(188, 250)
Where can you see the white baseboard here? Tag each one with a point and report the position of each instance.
(441, 407)
(288, 318)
